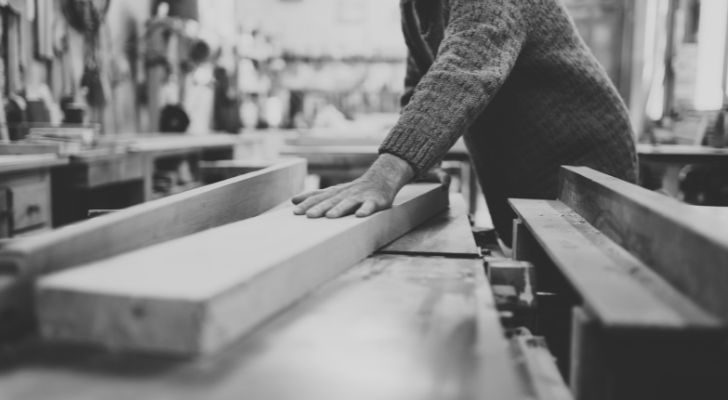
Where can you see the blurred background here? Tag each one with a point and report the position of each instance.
(272, 74)
(297, 64)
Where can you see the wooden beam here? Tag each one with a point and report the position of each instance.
(686, 245)
(144, 225)
(621, 291)
(199, 293)
(386, 329)
(447, 234)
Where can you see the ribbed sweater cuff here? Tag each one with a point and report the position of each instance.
(415, 148)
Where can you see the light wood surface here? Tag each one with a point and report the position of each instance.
(682, 154)
(391, 328)
(199, 293)
(447, 234)
(686, 245)
(163, 143)
(621, 291)
(146, 224)
(15, 163)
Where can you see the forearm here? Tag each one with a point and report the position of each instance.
(480, 47)
(392, 170)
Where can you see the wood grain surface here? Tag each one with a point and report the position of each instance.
(391, 328)
(199, 293)
(447, 234)
(686, 245)
(621, 291)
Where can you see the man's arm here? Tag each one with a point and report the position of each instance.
(481, 43)
(480, 46)
(411, 79)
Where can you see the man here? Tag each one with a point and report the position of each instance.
(513, 77)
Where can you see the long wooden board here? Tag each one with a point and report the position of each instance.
(447, 234)
(157, 221)
(199, 293)
(686, 245)
(144, 225)
(391, 328)
(621, 291)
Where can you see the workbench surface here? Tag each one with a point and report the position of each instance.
(393, 327)
(15, 163)
(681, 153)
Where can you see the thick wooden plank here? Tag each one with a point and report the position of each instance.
(145, 225)
(199, 293)
(686, 245)
(621, 291)
(157, 221)
(391, 328)
(447, 234)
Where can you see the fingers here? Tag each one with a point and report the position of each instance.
(367, 208)
(311, 201)
(365, 196)
(303, 196)
(322, 207)
(345, 207)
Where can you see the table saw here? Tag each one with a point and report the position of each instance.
(414, 320)
(402, 324)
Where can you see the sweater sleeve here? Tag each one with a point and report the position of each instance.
(411, 79)
(480, 46)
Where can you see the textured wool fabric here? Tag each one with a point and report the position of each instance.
(515, 78)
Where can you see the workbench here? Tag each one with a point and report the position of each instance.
(337, 157)
(25, 187)
(661, 165)
(399, 325)
(147, 168)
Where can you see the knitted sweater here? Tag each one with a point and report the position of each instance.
(515, 78)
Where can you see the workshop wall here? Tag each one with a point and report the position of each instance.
(340, 28)
(53, 56)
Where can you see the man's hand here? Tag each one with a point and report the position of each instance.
(373, 191)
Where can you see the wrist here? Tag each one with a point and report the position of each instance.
(393, 170)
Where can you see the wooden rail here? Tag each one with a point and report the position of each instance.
(646, 277)
(686, 245)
